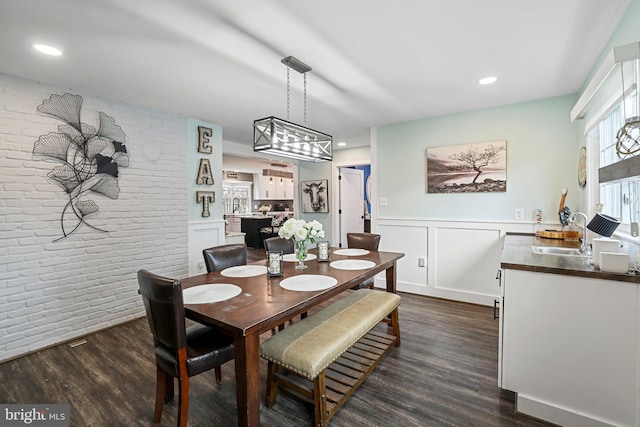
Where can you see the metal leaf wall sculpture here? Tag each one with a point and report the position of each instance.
(89, 158)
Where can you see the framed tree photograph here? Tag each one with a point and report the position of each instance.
(468, 168)
(314, 196)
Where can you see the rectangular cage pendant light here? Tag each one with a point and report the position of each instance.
(283, 138)
(288, 139)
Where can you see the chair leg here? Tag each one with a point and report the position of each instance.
(169, 389)
(183, 401)
(161, 394)
(218, 370)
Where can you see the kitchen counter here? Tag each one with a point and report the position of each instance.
(569, 336)
(517, 255)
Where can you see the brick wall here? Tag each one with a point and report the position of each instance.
(52, 292)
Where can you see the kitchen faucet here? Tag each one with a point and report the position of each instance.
(584, 247)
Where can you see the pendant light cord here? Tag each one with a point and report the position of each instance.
(288, 94)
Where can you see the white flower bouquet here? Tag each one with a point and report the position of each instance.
(301, 232)
(264, 209)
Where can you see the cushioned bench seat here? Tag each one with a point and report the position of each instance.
(309, 347)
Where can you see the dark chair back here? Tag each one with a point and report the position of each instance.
(163, 303)
(275, 244)
(180, 352)
(224, 256)
(367, 241)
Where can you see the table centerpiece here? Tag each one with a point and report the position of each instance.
(302, 233)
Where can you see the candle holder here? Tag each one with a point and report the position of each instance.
(323, 251)
(274, 263)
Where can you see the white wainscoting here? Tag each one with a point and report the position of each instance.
(203, 235)
(461, 258)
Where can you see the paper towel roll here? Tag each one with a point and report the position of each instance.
(603, 245)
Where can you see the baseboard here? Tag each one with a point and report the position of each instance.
(555, 414)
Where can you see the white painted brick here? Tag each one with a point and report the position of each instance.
(55, 291)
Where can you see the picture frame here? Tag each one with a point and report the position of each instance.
(314, 196)
(467, 168)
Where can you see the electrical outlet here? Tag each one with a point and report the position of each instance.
(519, 213)
(421, 262)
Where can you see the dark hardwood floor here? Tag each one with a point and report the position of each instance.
(444, 374)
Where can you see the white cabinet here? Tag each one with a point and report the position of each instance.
(569, 347)
(233, 225)
(284, 188)
(272, 188)
(263, 187)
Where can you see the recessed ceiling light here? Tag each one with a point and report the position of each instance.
(487, 80)
(342, 144)
(47, 50)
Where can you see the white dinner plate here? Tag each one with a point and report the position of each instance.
(292, 257)
(244, 271)
(214, 292)
(308, 282)
(351, 252)
(352, 264)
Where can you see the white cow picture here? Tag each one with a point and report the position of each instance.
(314, 196)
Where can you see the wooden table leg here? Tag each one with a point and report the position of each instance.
(391, 278)
(247, 360)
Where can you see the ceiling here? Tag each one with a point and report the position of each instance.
(374, 63)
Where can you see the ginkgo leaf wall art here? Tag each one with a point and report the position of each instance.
(88, 159)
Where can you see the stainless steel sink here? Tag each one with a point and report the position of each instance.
(551, 250)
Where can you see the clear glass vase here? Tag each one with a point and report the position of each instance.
(301, 253)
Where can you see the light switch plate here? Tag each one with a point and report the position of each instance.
(383, 201)
(519, 213)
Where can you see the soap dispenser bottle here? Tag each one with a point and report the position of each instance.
(538, 225)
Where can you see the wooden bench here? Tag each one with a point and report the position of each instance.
(327, 355)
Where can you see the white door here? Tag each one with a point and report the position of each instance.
(351, 209)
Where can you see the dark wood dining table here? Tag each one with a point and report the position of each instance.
(263, 305)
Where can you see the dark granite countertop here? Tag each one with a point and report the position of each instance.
(517, 255)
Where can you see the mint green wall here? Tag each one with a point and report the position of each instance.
(352, 155)
(627, 31)
(542, 158)
(309, 171)
(193, 159)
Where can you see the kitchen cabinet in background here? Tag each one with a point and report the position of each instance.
(272, 188)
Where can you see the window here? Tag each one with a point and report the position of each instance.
(617, 198)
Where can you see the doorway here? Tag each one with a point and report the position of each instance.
(351, 198)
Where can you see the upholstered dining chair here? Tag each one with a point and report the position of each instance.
(180, 352)
(279, 244)
(224, 256)
(368, 241)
